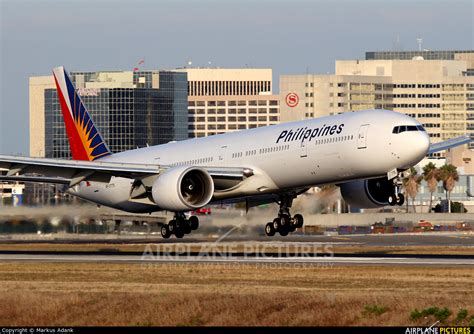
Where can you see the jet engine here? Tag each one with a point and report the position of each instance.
(371, 193)
(183, 189)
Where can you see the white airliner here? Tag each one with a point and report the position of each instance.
(365, 153)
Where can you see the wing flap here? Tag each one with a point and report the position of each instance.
(68, 168)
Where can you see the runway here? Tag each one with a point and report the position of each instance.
(409, 239)
(466, 261)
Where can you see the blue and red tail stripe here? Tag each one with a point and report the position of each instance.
(85, 141)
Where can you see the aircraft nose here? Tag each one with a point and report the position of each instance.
(422, 144)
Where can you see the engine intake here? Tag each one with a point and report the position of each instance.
(371, 193)
(183, 189)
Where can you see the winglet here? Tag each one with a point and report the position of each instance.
(85, 141)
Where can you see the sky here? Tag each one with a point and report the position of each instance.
(291, 37)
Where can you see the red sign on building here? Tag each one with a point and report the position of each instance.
(292, 100)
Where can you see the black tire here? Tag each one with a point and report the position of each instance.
(187, 227)
(276, 224)
(165, 232)
(194, 222)
(392, 200)
(269, 230)
(298, 221)
(401, 199)
(292, 228)
(179, 233)
(284, 220)
(283, 232)
(172, 226)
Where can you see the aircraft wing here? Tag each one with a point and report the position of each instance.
(72, 172)
(453, 142)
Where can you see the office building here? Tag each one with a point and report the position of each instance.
(438, 93)
(131, 109)
(467, 55)
(226, 100)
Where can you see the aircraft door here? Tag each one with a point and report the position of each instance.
(362, 137)
(304, 149)
(222, 152)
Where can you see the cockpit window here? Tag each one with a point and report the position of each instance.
(403, 128)
(420, 128)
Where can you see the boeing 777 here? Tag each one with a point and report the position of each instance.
(365, 153)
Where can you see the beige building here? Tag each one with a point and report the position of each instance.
(225, 100)
(436, 92)
(37, 87)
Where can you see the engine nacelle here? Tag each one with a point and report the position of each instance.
(371, 193)
(183, 189)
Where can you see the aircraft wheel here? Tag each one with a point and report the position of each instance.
(179, 233)
(283, 231)
(165, 232)
(276, 224)
(392, 200)
(401, 199)
(284, 220)
(187, 227)
(298, 220)
(194, 222)
(172, 226)
(269, 230)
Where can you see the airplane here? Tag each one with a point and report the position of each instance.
(366, 153)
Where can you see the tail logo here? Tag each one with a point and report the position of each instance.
(84, 139)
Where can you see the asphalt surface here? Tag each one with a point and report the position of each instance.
(400, 239)
(298, 260)
(311, 250)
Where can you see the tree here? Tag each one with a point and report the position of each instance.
(431, 176)
(449, 175)
(412, 185)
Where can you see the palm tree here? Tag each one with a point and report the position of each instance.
(412, 186)
(431, 176)
(449, 175)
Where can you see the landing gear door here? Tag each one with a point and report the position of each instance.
(304, 149)
(362, 137)
(222, 152)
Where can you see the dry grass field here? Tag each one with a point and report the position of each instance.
(77, 294)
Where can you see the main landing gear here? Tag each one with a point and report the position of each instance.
(284, 223)
(179, 226)
(396, 197)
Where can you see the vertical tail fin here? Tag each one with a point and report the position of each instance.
(85, 141)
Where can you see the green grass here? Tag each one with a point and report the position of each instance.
(374, 310)
(439, 314)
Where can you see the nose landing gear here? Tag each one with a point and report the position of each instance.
(396, 197)
(284, 223)
(179, 226)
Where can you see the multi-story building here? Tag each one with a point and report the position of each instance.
(131, 109)
(467, 55)
(436, 92)
(225, 100)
